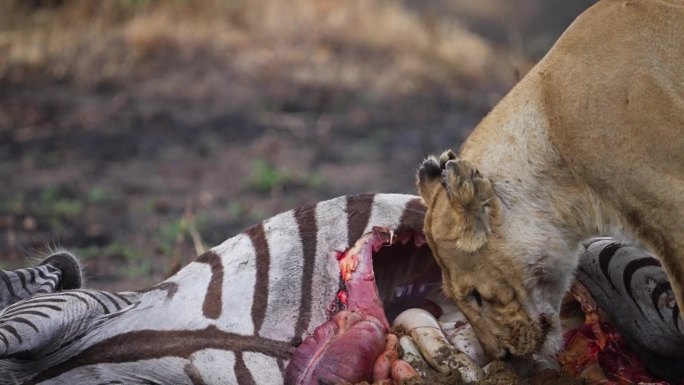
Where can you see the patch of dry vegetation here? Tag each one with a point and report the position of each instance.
(379, 45)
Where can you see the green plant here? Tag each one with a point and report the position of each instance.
(137, 3)
(56, 203)
(174, 235)
(68, 208)
(88, 252)
(266, 177)
(150, 205)
(258, 214)
(314, 180)
(135, 266)
(128, 253)
(12, 204)
(237, 209)
(98, 195)
(168, 233)
(51, 194)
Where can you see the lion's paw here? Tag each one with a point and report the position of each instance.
(469, 197)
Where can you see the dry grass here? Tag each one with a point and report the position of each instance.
(379, 45)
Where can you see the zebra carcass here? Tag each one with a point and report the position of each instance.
(305, 297)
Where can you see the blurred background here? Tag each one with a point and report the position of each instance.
(138, 133)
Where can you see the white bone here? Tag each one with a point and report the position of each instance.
(461, 334)
(412, 355)
(434, 345)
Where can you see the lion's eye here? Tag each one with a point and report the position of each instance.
(475, 296)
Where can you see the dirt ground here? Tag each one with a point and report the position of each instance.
(137, 133)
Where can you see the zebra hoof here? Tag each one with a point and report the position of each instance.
(72, 277)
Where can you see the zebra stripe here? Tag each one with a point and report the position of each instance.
(242, 373)
(212, 306)
(285, 277)
(263, 261)
(11, 330)
(308, 230)
(171, 288)
(193, 374)
(95, 298)
(628, 273)
(358, 215)
(151, 344)
(413, 215)
(604, 260)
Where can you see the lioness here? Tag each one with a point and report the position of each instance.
(589, 143)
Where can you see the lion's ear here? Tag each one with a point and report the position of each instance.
(471, 199)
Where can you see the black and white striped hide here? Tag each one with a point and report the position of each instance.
(59, 271)
(630, 286)
(233, 316)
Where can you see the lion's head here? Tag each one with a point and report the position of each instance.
(510, 294)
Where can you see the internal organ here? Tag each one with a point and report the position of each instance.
(355, 345)
(342, 350)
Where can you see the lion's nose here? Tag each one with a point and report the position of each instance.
(502, 354)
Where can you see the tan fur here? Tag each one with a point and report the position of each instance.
(589, 143)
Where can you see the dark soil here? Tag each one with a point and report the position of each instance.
(501, 374)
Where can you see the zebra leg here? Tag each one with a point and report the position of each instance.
(40, 325)
(631, 287)
(59, 271)
(72, 277)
